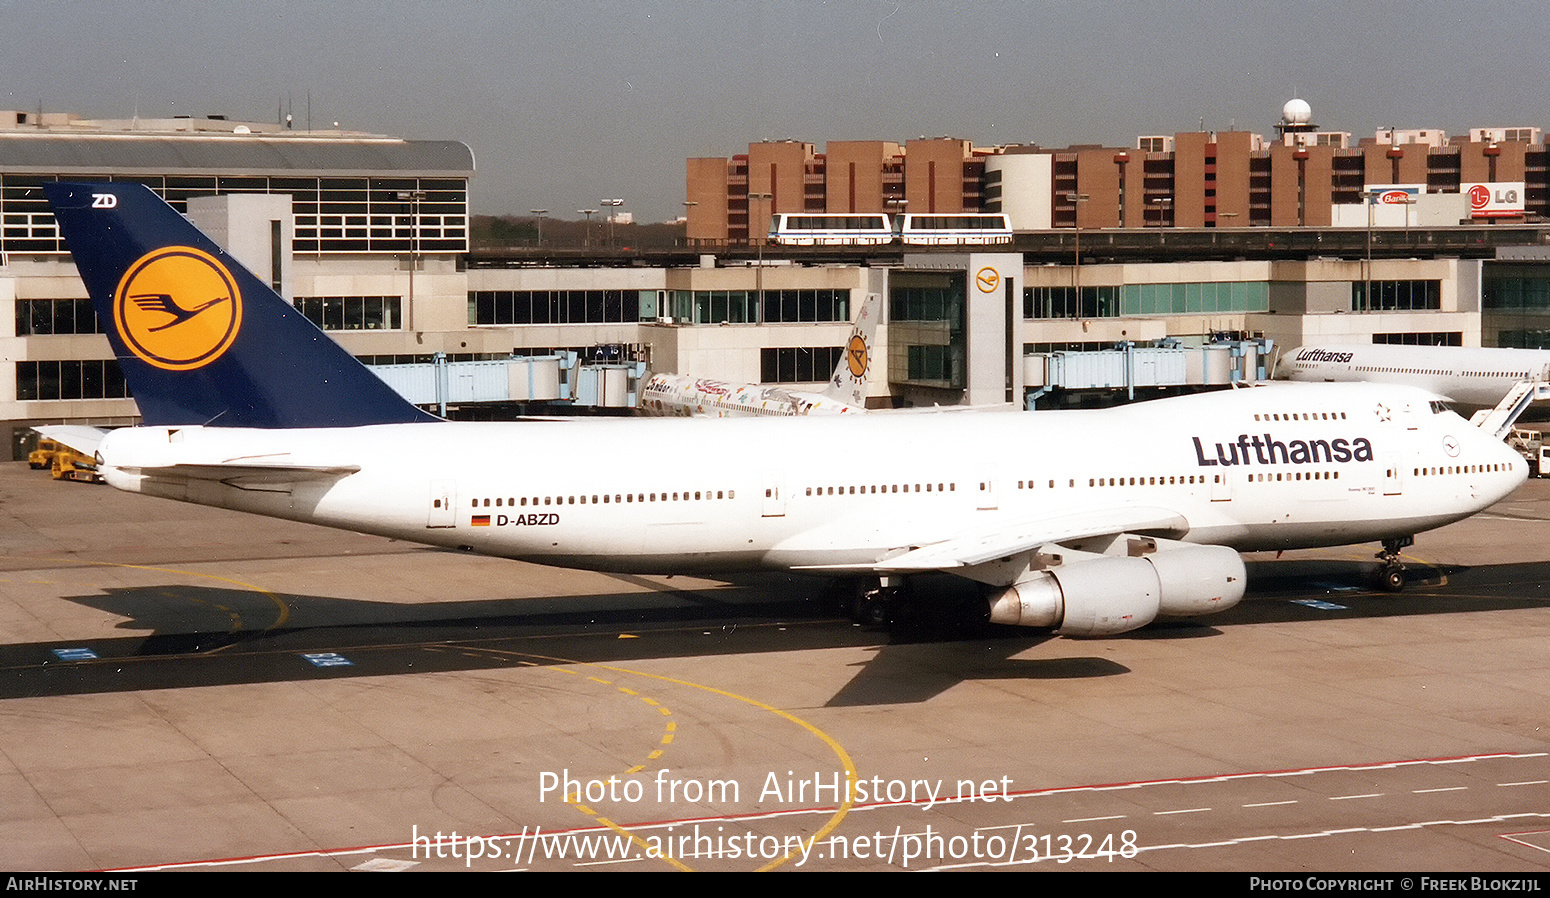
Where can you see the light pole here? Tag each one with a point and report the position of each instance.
(1371, 196)
(588, 213)
(540, 213)
(613, 204)
(1077, 199)
(758, 275)
(688, 210)
(413, 197)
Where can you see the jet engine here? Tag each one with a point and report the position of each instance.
(1103, 595)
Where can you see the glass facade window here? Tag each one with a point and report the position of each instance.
(1516, 288)
(927, 344)
(782, 306)
(361, 215)
(1523, 338)
(35, 317)
(70, 379)
(1515, 299)
(352, 313)
(1145, 300)
(1064, 302)
(1429, 338)
(798, 364)
(929, 363)
(715, 306)
(560, 306)
(1396, 296)
(744, 306)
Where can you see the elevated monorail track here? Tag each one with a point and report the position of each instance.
(1059, 247)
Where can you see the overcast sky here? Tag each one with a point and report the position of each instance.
(565, 103)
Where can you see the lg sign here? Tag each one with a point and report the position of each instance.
(1494, 200)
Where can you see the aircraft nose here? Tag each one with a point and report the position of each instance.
(1514, 467)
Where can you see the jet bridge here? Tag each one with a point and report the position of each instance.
(556, 378)
(1129, 367)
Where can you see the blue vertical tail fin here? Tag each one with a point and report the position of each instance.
(200, 339)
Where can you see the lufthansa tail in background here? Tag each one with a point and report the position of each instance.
(1087, 522)
(683, 395)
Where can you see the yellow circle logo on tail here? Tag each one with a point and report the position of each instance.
(857, 356)
(178, 308)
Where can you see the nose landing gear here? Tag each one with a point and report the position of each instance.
(1392, 575)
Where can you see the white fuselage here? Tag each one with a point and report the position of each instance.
(683, 396)
(1476, 378)
(1266, 468)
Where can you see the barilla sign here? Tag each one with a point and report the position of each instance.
(1393, 194)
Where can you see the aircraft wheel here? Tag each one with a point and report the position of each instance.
(879, 607)
(1394, 579)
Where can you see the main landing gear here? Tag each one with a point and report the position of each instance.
(940, 606)
(878, 604)
(1392, 576)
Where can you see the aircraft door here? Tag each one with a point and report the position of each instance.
(774, 495)
(1393, 475)
(1393, 481)
(442, 511)
(987, 500)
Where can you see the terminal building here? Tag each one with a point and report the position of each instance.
(369, 237)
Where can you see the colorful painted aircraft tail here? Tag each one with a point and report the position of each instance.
(200, 339)
(848, 382)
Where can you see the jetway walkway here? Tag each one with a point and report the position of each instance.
(1128, 367)
(558, 378)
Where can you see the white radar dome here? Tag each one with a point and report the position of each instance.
(1296, 112)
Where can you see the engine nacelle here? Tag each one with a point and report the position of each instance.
(1198, 579)
(1100, 597)
(1108, 595)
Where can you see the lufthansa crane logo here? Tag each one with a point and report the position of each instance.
(857, 356)
(178, 308)
(988, 279)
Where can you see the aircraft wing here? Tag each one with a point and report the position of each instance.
(79, 437)
(975, 548)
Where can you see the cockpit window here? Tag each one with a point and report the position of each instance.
(1439, 407)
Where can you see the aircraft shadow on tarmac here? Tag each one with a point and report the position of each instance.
(214, 635)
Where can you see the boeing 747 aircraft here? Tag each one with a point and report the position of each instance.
(1087, 522)
(682, 395)
(1475, 378)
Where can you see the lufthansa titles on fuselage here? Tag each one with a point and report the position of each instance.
(1248, 450)
(1324, 355)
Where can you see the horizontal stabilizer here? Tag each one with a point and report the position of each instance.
(246, 476)
(79, 437)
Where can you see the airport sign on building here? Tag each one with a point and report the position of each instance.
(1501, 199)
